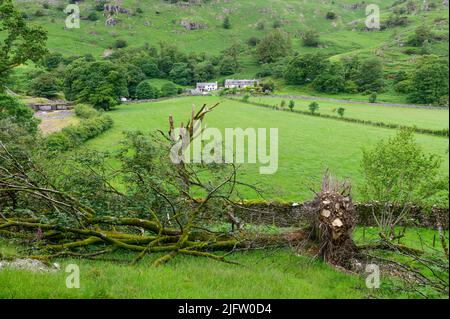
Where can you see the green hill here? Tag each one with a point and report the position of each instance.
(152, 21)
(196, 26)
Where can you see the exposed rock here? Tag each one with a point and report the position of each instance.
(192, 25)
(27, 264)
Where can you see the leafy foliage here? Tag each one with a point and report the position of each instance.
(20, 41)
(101, 84)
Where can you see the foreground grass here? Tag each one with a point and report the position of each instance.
(261, 274)
(307, 145)
(268, 274)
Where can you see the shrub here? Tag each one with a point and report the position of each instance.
(390, 181)
(291, 105)
(100, 84)
(92, 16)
(429, 81)
(39, 13)
(261, 25)
(331, 15)
(313, 107)
(85, 111)
(311, 38)
(246, 98)
(373, 97)
(341, 111)
(18, 113)
(120, 44)
(274, 46)
(277, 24)
(253, 41)
(44, 85)
(370, 75)
(169, 89)
(226, 23)
(74, 135)
(303, 69)
(146, 91)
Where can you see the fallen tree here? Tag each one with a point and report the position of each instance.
(44, 207)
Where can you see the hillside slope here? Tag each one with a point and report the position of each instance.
(151, 21)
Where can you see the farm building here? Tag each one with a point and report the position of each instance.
(207, 87)
(240, 84)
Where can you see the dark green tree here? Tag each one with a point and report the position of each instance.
(313, 107)
(45, 85)
(169, 89)
(304, 69)
(274, 46)
(370, 75)
(311, 38)
(146, 91)
(226, 23)
(16, 112)
(331, 80)
(429, 81)
(19, 42)
(101, 84)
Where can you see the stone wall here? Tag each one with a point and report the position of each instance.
(292, 214)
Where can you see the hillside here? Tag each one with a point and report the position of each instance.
(152, 21)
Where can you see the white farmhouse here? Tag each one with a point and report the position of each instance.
(240, 84)
(207, 87)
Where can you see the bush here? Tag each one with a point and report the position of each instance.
(291, 105)
(313, 107)
(331, 15)
(274, 46)
(373, 97)
(92, 16)
(226, 23)
(331, 80)
(429, 81)
(100, 84)
(341, 111)
(73, 136)
(120, 44)
(145, 91)
(18, 113)
(169, 89)
(311, 38)
(303, 69)
(85, 111)
(253, 41)
(44, 85)
(397, 171)
(403, 86)
(52, 60)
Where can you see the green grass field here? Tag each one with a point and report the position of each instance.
(261, 274)
(421, 118)
(307, 145)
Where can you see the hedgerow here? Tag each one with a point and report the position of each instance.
(93, 124)
(441, 132)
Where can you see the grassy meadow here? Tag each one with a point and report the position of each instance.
(307, 145)
(277, 274)
(419, 117)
